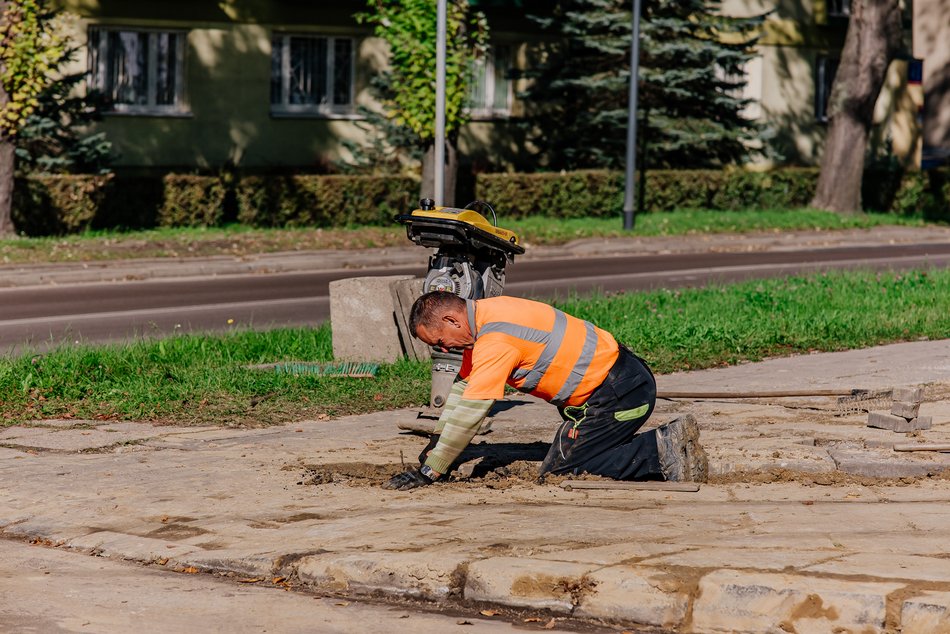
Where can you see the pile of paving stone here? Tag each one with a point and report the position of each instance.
(904, 414)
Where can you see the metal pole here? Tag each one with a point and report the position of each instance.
(439, 166)
(628, 198)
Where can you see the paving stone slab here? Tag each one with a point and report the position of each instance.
(528, 583)
(418, 575)
(909, 394)
(734, 601)
(905, 410)
(749, 558)
(635, 594)
(886, 420)
(612, 553)
(880, 464)
(928, 613)
(888, 566)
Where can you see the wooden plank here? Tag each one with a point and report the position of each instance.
(684, 487)
(923, 447)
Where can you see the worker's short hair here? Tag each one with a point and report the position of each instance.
(429, 308)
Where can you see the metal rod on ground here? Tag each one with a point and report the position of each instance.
(628, 198)
(762, 393)
(922, 447)
(438, 166)
(684, 487)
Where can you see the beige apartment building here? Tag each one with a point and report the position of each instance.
(265, 85)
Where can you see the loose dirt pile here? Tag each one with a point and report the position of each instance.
(484, 472)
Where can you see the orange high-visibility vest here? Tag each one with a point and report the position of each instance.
(534, 348)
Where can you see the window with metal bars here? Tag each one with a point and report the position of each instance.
(138, 71)
(489, 94)
(311, 75)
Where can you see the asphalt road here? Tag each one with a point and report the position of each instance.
(38, 316)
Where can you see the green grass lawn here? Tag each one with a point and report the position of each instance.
(191, 379)
(238, 240)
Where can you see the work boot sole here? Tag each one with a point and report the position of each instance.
(681, 455)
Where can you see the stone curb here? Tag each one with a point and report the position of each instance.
(689, 599)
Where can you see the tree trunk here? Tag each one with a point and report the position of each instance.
(7, 160)
(428, 174)
(7, 165)
(873, 40)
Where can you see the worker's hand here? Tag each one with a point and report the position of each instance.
(411, 479)
(433, 441)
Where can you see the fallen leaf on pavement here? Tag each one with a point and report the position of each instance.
(549, 625)
(343, 603)
(488, 612)
(250, 580)
(162, 561)
(463, 622)
(191, 570)
(532, 619)
(277, 579)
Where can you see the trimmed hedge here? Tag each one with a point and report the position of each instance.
(55, 205)
(600, 192)
(323, 201)
(192, 201)
(61, 204)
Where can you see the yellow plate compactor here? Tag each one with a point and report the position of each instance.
(471, 252)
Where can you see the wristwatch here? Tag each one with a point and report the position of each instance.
(427, 471)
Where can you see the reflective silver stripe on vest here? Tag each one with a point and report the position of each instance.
(552, 343)
(520, 332)
(580, 368)
(547, 355)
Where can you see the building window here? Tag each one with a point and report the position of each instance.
(824, 79)
(311, 75)
(490, 90)
(139, 72)
(839, 8)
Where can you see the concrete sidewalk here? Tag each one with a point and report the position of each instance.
(14, 275)
(812, 522)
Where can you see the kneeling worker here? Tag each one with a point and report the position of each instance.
(603, 392)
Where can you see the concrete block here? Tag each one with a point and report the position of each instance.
(641, 595)
(418, 575)
(404, 293)
(922, 422)
(884, 464)
(883, 420)
(530, 583)
(735, 601)
(926, 614)
(905, 409)
(909, 394)
(363, 319)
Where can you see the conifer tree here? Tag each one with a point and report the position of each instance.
(691, 80)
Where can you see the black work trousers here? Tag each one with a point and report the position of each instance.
(600, 437)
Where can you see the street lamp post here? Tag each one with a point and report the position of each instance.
(630, 185)
(439, 166)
